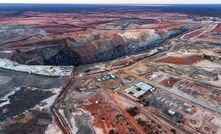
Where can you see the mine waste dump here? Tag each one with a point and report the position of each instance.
(91, 48)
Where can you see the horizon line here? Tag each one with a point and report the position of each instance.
(152, 4)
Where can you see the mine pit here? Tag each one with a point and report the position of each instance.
(50, 56)
(66, 52)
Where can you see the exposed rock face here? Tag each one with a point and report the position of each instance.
(93, 47)
(62, 59)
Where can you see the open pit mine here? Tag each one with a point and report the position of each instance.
(104, 69)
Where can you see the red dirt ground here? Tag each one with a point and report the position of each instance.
(188, 60)
(218, 28)
(169, 82)
(106, 116)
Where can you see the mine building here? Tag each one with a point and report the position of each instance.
(139, 89)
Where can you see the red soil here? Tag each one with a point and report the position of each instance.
(169, 82)
(105, 115)
(218, 28)
(188, 60)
